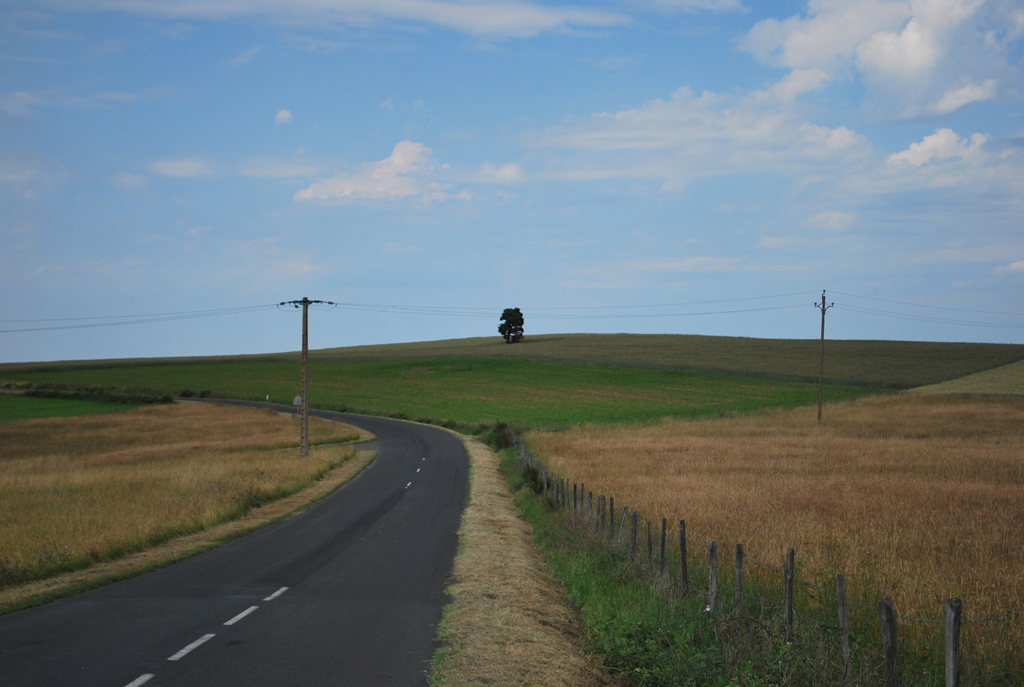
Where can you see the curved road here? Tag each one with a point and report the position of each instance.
(348, 592)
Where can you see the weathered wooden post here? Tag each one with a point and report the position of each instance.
(890, 642)
(611, 514)
(632, 536)
(600, 507)
(790, 579)
(590, 505)
(738, 603)
(583, 497)
(954, 610)
(684, 577)
(844, 623)
(622, 523)
(650, 544)
(574, 506)
(664, 526)
(712, 574)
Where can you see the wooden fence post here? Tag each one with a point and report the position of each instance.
(583, 497)
(574, 485)
(600, 507)
(712, 574)
(844, 623)
(890, 642)
(622, 523)
(664, 526)
(790, 578)
(590, 505)
(632, 536)
(611, 515)
(738, 603)
(684, 576)
(650, 544)
(954, 609)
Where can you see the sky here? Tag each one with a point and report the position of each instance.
(170, 170)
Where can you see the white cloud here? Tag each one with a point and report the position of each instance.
(128, 182)
(198, 230)
(405, 173)
(826, 35)
(797, 82)
(943, 144)
(906, 52)
(506, 174)
(494, 19)
(245, 57)
(183, 167)
(19, 103)
(283, 117)
(972, 93)
(833, 220)
(690, 136)
(1011, 268)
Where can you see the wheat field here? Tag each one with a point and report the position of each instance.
(918, 498)
(90, 488)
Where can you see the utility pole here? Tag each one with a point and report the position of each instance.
(304, 407)
(821, 367)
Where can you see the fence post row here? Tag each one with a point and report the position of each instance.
(890, 642)
(604, 521)
(954, 610)
(712, 574)
(790, 576)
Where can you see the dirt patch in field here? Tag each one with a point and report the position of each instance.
(509, 622)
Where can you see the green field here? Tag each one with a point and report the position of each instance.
(897, 364)
(16, 407)
(483, 391)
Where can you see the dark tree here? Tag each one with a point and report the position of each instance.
(511, 326)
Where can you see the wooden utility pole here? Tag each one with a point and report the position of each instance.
(305, 379)
(821, 368)
(304, 401)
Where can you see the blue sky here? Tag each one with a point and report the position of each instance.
(677, 166)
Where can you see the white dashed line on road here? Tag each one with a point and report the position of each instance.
(408, 485)
(199, 642)
(418, 469)
(241, 615)
(140, 680)
(276, 594)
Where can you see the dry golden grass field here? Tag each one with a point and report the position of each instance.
(80, 490)
(1007, 380)
(915, 497)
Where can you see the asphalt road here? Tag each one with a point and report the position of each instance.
(348, 592)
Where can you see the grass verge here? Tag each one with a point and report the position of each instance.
(508, 622)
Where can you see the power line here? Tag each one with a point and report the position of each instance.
(928, 318)
(936, 307)
(135, 319)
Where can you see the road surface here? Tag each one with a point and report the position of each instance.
(348, 592)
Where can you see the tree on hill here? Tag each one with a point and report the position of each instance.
(511, 326)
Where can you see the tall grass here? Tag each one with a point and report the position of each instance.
(79, 490)
(915, 498)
